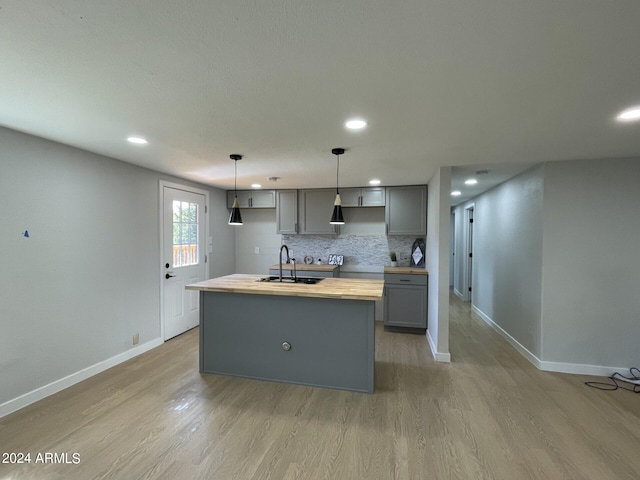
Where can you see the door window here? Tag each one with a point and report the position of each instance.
(185, 234)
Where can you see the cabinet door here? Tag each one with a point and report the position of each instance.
(350, 197)
(287, 211)
(372, 197)
(244, 198)
(315, 207)
(405, 306)
(406, 210)
(263, 199)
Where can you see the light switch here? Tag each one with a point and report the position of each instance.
(257, 251)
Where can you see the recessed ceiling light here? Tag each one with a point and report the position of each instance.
(456, 193)
(137, 140)
(375, 181)
(256, 185)
(470, 181)
(629, 115)
(355, 124)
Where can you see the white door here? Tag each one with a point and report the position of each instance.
(183, 257)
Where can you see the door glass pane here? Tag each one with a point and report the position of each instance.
(185, 234)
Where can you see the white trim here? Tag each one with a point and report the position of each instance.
(66, 382)
(514, 343)
(561, 367)
(186, 188)
(458, 293)
(466, 295)
(437, 356)
(582, 369)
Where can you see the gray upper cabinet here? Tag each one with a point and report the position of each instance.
(253, 198)
(244, 198)
(315, 207)
(363, 197)
(406, 210)
(287, 211)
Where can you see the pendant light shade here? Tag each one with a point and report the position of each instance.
(336, 217)
(235, 218)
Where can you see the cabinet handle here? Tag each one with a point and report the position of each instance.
(250, 202)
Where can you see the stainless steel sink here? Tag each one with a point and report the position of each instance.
(276, 279)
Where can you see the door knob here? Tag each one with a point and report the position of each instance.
(168, 275)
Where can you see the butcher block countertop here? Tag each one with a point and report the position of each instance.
(337, 288)
(406, 270)
(303, 266)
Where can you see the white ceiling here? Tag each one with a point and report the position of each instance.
(465, 83)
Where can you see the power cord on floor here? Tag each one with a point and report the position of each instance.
(631, 383)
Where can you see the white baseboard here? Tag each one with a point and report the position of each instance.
(561, 367)
(458, 293)
(437, 356)
(582, 369)
(58, 385)
(514, 343)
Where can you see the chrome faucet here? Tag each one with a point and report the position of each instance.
(283, 247)
(295, 273)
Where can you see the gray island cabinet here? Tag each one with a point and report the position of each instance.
(320, 335)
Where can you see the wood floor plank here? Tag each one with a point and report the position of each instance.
(488, 415)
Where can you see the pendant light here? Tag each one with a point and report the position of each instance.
(235, 218)
(336, 217)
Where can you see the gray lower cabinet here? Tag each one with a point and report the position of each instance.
(287, 211)
(406, 210)
(315, 208)
(405, 300)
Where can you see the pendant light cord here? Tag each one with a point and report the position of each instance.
(337, 174)
(235, 179)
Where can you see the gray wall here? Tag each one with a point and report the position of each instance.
(259, 230)
(88, 276)
(591, 267)
(437, 262)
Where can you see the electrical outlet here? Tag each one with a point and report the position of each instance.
(291, 254)
(257, 251)
(136, 338)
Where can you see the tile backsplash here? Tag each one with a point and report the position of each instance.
(361, 252)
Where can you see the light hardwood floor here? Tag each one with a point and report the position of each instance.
(488, 415)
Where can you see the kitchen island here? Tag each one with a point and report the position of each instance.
(320, 334)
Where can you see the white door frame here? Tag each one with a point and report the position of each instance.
(452, 248)
(469, 242)
(161, 258)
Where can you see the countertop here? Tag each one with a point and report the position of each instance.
(337, 288)
(303, 266)
(406, 270)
